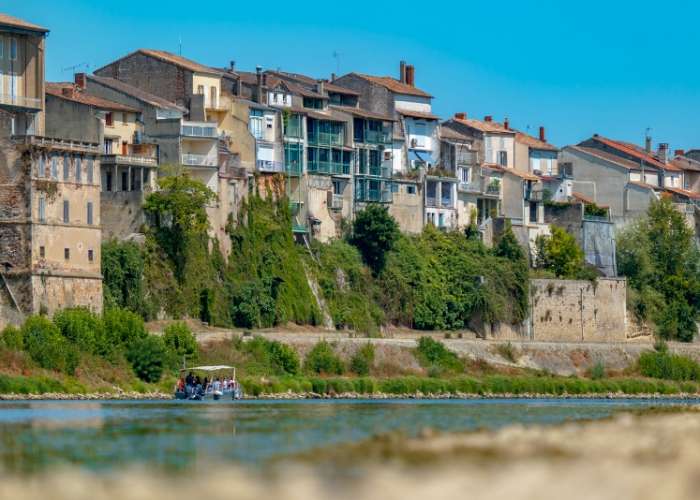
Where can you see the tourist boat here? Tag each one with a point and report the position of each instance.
(198, 393)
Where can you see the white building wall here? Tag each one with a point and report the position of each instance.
(412, 103)
(498, 142)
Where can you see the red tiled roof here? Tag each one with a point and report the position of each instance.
(19, 23)
(643, 185)
(134, 92)
(682, 192)
(533, 142)
(604, 155)
(394, 85)
(685, 163)
(77, 95)
(523, 175)
(362, 113)
(418, 114)
(631, 150)
(484, 126)
(171, 58)
(586, 199)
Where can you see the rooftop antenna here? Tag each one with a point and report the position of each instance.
(73, 68)
(336, 56)
(180, 44)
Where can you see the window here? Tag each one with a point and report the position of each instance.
(91, 255)
(465, 175)
(41, 170)
(214, 95)
(108, 146)
(13, 49)
(66, 253)
(13, 84)
(66, 212)
(109, 119)
(42, 208)
(90, 171)
(89, 213)
(124, 118)
(503, 158)
(54, 167)
(108, 181)
(42, 251)
(411, 189)
(66, 167)
(200, 89)
(125, 181)
(394, 187)
(78, 170)
(337, 187)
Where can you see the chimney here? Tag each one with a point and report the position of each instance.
(321, 87)
(232, 65)
(332, 77)
(662, 153)
(678, 152)
(411, 75)
(68, 91)
(647, 144)
(80, 80)
(488, 118)
(506, 124)
(543, 138)
(402, 71)
(461, 116)
(259, 90)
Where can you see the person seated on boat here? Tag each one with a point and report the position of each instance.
(216, 385)
(180, 387)
(206, 384)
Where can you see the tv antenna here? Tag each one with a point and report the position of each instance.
(336, 56)
(75, 67)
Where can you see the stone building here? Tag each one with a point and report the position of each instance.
(128, 163)
(49, 195)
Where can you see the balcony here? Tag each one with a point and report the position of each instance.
(534, 195)
(325, 139)
(374, 196)
(468, 187)
(58, 144)
(376, 137)
(384, 172)
(269, 166)
(491, 186)
(20, 101)
(335, 201)
(139, 155)
(199, 130)
(198, 160)
(329, 168)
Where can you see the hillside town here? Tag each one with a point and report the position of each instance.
(78, 159)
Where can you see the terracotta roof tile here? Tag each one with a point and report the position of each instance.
(631, 150)
(484, 126)
(77, 95)
(523, 175)
(134, 92)
(685, 163)
(682, 192)
(586, 199)
(363, 113)
(394, 85)
(19, 23)
(417, 114)
(533, 142)
(603, 155)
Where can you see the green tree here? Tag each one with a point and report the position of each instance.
(83, 328)
(123, 327)
(658, 256)
(122, 272)
(47, 347)
(374, 233)
(560, 254)
(148, 356)
(179, 214)
(11, 338)
(322, 360)
(180, 341)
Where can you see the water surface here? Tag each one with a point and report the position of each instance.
(179, 435)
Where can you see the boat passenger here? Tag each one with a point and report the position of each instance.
(216, 385)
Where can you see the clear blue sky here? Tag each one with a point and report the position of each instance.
(613, 67)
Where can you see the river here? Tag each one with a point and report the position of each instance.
(175, 436)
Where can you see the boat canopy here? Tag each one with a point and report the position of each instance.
(212, 368)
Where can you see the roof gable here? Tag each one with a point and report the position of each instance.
(394, 85)
(15, 22)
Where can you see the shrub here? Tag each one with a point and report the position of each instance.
(434, 356)
(598, 371)
(322, 360)
(123, 327)
(507, 352)
(374, 233)
(83, 328)
(11, 338)
(147, 356)
(180, 341)
(273, 357)
(560, 254)
(361, 362)
(663, 365)
(45, 345)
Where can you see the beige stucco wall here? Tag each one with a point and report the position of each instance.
(121, 129)
(53, 293)
(319, 187)
(466, 204)
(407, 209)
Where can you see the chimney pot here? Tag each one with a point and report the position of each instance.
(232, 65)
(662, 153)
(461, 116)
(80, 80)
(678, 152)
(647, 144)
(488, 118)
(411, 75)
(258, 69)
(543, 137)
(506, 124)
(332, 77)
(402, 71)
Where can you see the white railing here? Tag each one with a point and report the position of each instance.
(194, 129)
(199, 160)
(270, 166)
(20, 100)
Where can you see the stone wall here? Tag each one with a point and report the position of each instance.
(53, 293)
(572, 310)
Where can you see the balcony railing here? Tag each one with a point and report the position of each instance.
(293, 168)
(335, 201)
(20, 101)
(54, 143)
(377, 137)
(137, 160)
(205, 131)
(534, 195)
(197, 160)
(326, 139)
(329, 167)
(491, 186)
(269, 166)
(468, 187)
(375, 171)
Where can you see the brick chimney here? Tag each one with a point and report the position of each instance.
(461, 116)
(402, 71)
(321, 87)
(488, 118)
(259, 89)
(411, 75)
(647, 144)
(662, 152)
(506, 123)
(333, 76)
(543, 138)
(80, 80)
(232, 65)
(678, 152)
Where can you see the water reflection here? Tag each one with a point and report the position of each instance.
(174, 436)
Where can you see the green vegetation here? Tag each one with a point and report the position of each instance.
(11, 338)
(560, 254)
(507, 352)
(122, 270)
(374, 234)
(270, 357)
(47, 347)
(180, 341)
(663, 365)
(148, 357)
(322, 360)
(362, 361)
(598, 371)
(662, 265)
(438, 360)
